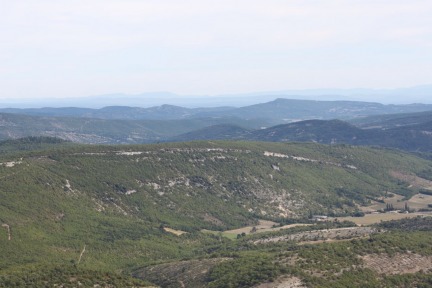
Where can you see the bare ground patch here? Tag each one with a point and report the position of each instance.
(398, 264)
(283, 282)
(370, 219)
(173, 231)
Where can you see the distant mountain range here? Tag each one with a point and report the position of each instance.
(407, 127)
(278, 111)
(416, 94)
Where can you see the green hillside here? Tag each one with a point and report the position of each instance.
(409, 132)
(31, 143)
(413, 138)
(109, 131)
(107, 207)
(214, 132)
(396, 254)
(279, 111)
(387, 121)
(416, 137)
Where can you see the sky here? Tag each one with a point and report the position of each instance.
(76, 48)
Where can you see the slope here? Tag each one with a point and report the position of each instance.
(114, 201)
(214, 132)
(392, 120)
(106, 131)
(414, 138)
(332, 131)
(280, 111)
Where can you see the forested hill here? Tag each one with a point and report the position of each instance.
(282, 120)
(279, 110)
(388, 121)
(415, 137)
(108, 131)
(110, 208)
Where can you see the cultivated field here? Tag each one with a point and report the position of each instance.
(418, 201)
(370, 219)
(283, 282)
(263, 226)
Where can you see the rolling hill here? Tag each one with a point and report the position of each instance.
(370, 124)
(389, 121)
(115, 209)
(277, 111)
(108, 131)
(406, 132)
(214, 132)
(321, 131)
(415, 137)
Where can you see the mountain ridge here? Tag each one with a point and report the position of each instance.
(122, 124)
(280, 110)
(413, 137)
(418, 94)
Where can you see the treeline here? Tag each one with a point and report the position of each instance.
(408, 224)
(245, 271)
(68, 276)
(30, 143)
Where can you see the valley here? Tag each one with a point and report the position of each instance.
(211, 213)
(404, 127)
(176, 208)
(215, 144)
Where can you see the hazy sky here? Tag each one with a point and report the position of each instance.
(67, 48)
